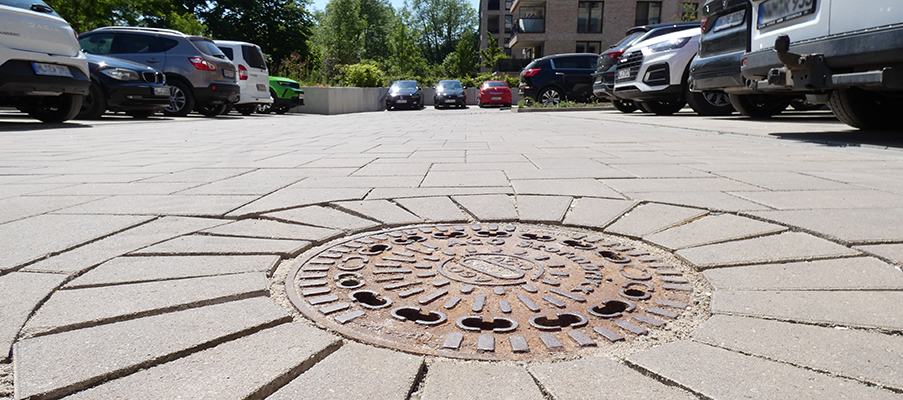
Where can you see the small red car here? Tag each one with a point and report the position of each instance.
(495, 92)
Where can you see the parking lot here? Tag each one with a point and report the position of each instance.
(149, 258)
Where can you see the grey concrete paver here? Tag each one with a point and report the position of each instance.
(297, 197)
(857, 273)
(184, 205)
(565, 187)
(394, 169)
(325, 217)
(136, 269)
(398, 193)
(60, 364)
(784, 180)
(199, 175)
(714, 201)
(651, 218)
(482, 166)
(357, 182)
(820, 199)
(247, 367)
(596, 213)
(603, 379)
(34, 238)
(15, 208)
(381, 210)
(595, 171)
(858, 226)
(112, 189)
(464, 178)
(893, 252)
(677, 185)
(356, 372)
(436, 209)
(868, 356)
(22, 292)
(722, 374)
(542, 208)
(259, 182)
(214, 245)
(791, 246)
(461, 380)
(866, 309)
(73, 308)
(274, 230)
(497, 207)
(712, 229)
(661, 170)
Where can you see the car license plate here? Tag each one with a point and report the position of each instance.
(51, 69)
(402, 101)
(261, 88)
(773, 12)
(624, 73)
(729, 21)
(228, 73)
(161, 91)
(496, 98)
(449, 100)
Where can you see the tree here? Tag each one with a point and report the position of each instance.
(493, 53)
(352, 30)
(463, 60)
(405, 59)
(85, 15)
(443, 23)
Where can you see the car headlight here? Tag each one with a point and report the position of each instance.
(669, 45)
(122, 74)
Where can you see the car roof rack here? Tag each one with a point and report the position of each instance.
(141, 28)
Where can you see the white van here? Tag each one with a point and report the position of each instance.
(253, 78)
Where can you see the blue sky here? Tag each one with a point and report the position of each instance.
(321, 4)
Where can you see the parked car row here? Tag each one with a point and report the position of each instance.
(448, 93)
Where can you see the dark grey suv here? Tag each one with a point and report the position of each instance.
(559, 77)
(200, 75)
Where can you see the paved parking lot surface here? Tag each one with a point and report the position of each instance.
(147, 259)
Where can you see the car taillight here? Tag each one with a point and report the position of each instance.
(615, 55)
(202, 64)
(242, 72)
(531, 71)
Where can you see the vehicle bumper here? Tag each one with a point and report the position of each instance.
(643, 92)
(501, 98)
(217, 93)
(288, 102)
(449, 100)
(18, 78)
(135, 97)
(717, 72)
(404, 101)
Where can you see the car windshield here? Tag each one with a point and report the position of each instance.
(449, 85)
(404, 85)
(207, 47)
(627, 39)
(34, 5)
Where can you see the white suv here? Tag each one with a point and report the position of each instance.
(43, 72)
(846, 53)
(253, 78)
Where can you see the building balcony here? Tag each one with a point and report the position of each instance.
(526, 3)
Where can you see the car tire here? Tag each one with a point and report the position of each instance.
(181, 100)
(281, 110)
(710, 104)
(54, 109)
(625, 106)
(550, 96)
(246, 109)
(864, 109)
(213, 110)
(94, 104)
(139, 114)
(759, 106)
(665, 107)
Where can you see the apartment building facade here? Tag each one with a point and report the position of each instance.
(528, 29)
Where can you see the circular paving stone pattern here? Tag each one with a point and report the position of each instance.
(488, 291)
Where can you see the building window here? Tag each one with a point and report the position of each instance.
(509, 22)
(689, 11)
(589, 47)
(493, 5)
(508, 5)
(492, 24)
(648, 12)
(589, 16)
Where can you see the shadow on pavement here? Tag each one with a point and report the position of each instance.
(848, 138)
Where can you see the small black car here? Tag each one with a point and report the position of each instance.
(449, 93)
(120, 85)
(551, 79)
(404, 94)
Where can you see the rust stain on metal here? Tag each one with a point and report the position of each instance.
(486, 291)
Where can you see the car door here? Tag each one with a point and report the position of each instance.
(144, 49)
(258, 76)
(577, 74)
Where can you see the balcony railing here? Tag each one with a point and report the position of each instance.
(530, 25)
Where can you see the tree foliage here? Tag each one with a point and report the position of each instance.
(443, 23)
(405, 59)
(351, 30)
(492, 53)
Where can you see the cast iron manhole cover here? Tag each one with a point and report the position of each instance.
(487, 291)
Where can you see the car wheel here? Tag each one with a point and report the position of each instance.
(246, 109)
(94, 104)
(865, 109)
(139, 114)
(759, 106)
(659, 107)
(550, 96)
(55, 108)
(281, 110)
(625, 106)
(181, 100)
(710, 103)
(213, 110)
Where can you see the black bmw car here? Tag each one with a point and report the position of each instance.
(119, 85)
(449, 93)
(404, 94)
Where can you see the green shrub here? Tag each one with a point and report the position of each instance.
(364, 74)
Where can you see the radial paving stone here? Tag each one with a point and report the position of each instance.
(493, 207)
(651, 218)
(268, 229)
(722, 374)
(325, 217)
(221, 245)
(27, 206)
(712, 229)
(60, 364)
(857, 273)
(34, 238)
(603, 379)
(892, 252)
(677, 185)
(542, 208)
(824, 199)
(857, 226)
(596, 213)
(183, 205)
(136, 269)
(865, 309)
(340, 182)
(291, 198)
(865, 356)
(565, 187)
(356, 372)
(94, 253)
(381, 210)
(397, 193)
(435, 209)
(75, 308)
(784, 247)
(249, 367)
(22, 292)
(472, 380)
